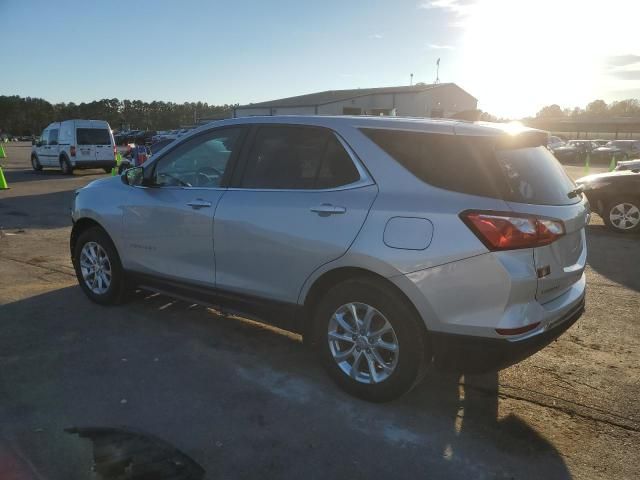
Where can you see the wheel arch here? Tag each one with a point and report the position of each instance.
(80, 226)
(328, 279)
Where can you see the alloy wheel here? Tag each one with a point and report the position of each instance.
(95, 267)
(624, 216)
(363, 343)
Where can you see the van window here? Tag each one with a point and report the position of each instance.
(53, 136)
(93, 136)
(484, 166)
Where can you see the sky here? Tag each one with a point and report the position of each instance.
(515, 56)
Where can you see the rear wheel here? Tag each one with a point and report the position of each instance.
(623, 215)
(65, 166)
(369, 340)
(98, 267)
(35, 163)
(107, 170)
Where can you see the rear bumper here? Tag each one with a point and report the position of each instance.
(464, 353)
(94, 164)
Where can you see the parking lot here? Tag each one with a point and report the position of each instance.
(244, 400)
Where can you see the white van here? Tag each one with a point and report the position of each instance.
(75, 144)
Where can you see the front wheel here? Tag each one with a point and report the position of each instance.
(35, 163)
(622, 215)
(98, 268)
(369, 340)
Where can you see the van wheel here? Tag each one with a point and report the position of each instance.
(369, 340)
(35, 163)
(98, 268)
(107, 170)
(622, 215)
(65, 166)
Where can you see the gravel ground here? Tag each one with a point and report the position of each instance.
(247, 401)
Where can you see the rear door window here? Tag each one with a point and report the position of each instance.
(93, 136)
(524, 172)
(297, 158)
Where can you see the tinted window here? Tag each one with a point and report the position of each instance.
(297, 158)
(200, 162)
(53, 136)
(93, 136)
(484, 166)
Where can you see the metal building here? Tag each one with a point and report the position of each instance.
(435, 100)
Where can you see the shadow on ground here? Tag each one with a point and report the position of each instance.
(613, 255)
(17, 176)
(44, 210)
(240, 399)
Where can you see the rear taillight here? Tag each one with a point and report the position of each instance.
(115, 152)
(510, 231)
(72, 150)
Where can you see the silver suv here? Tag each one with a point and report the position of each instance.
(389, 244)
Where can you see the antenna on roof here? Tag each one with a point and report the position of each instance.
(438, 71)
(410, 79)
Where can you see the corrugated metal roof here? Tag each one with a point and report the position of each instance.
(331, 96)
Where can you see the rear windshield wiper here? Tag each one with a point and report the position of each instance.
(575, 192)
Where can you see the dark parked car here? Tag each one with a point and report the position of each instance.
(584, 146)
(621, 149)
(566, 153)
(143, 136)
(615, 196)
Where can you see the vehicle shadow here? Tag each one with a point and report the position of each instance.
(27, 175)
(614, 255)
(45, 210)
(242, 400)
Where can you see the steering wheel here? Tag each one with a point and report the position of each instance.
(206, 175)
(181, 182)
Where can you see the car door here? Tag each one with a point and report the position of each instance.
(168, 226)
(53, 150)
(299, 201)
(42, 149)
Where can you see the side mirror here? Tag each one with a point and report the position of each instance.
(133, 176)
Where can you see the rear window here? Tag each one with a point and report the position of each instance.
(516, 171)
(93, 136)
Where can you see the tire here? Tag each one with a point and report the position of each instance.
(91, 241)
(65, 166)
(405, 367)
(35, 163)
(107, 170)
(622, 215)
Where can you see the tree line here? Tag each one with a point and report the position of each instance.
(597, 109)
(29, 116)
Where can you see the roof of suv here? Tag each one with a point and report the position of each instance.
(459, 127)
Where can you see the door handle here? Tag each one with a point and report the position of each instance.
(199, 203)
(327, 209)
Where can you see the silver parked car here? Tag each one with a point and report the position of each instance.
(390, 244)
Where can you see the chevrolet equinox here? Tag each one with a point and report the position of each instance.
(390, 244)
